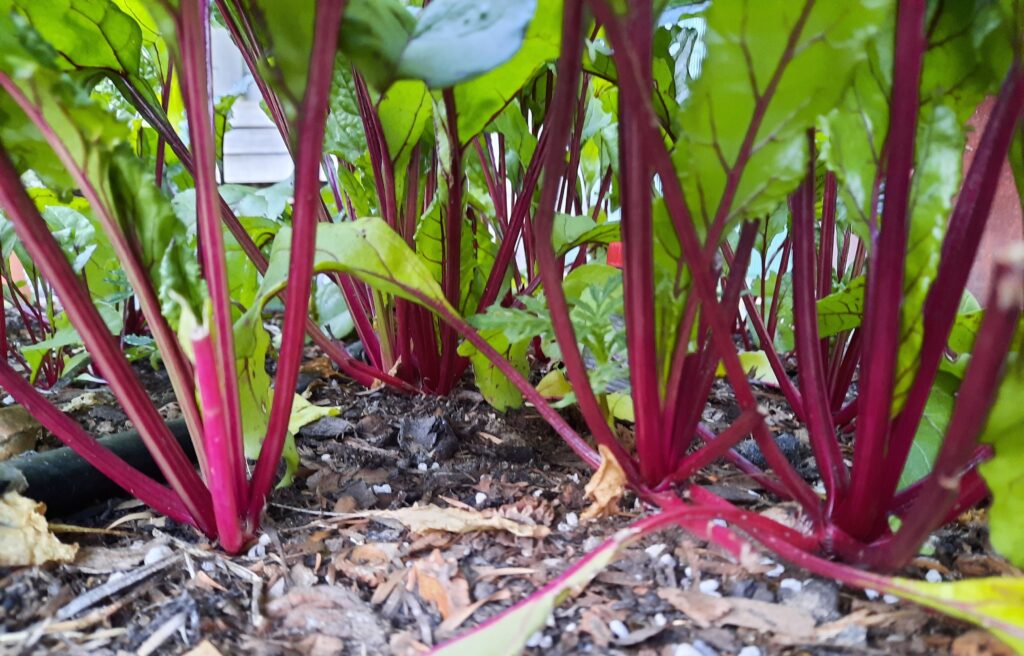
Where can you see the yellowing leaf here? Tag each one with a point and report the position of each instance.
(25, 538)
(605, 487)
(995, 603)
(621, 407)
(756, 364)
(420, 519)
(554, 385)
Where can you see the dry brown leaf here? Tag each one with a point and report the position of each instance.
(25, 538)
(449, 626)
(19, 431)
(104, 560)
(703, 609)
(419, 519)
(594, 621)
(319, 644)
(979, 643)
(379, 553)
(203, 581)
(762, 616)
(439, 582)
(331, 611)
(605, 487)
(204, 648)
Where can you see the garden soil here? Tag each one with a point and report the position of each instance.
(343, 567)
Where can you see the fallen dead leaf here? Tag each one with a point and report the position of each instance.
(319, 644)
(605, 487)
(104, 560)
(703, 609)
(329, 611)
(19, 431)
(449, 626)
(594, 621)
(762, 616)
(203, 581)
(204, 648)
(25, 538)
(379, 553)
(437, 580)
(979, 643)
(420, 519)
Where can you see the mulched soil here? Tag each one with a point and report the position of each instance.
(331, 575)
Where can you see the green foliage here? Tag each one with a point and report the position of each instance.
(932, 431)
(366, 248)
(481, 99)
(1004, 474)
(750, 73)
(458, 40)
(449, 42)
(843, 309)
(594, 295)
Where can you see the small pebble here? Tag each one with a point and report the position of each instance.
(535, 639)
(326, 457)
(277, 590)
(890, 599)
(619, 629)
(383, 488)
(776, 571)
(422, 467)
(704, 648)
(660, 619)
(749, 650)
(655, 550)
(435, 467)
(570, 627)
(686, 649)
(156, 554)
(819, 599)
(933, 576)
(480, 498)
(871, 594)
(572, 519)
(546, 642)
(719, 522)
(709, 587)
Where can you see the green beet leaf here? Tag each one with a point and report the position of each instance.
(751, 71)
(457, 40)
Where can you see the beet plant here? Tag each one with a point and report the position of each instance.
(57, 135)
(882, 91)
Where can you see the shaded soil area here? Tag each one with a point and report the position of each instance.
(339, 569)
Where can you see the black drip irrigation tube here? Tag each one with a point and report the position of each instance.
(67, 484)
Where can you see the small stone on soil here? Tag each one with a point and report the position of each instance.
(710, 587)
(618, 628)
(686, 649)
(815, 597)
